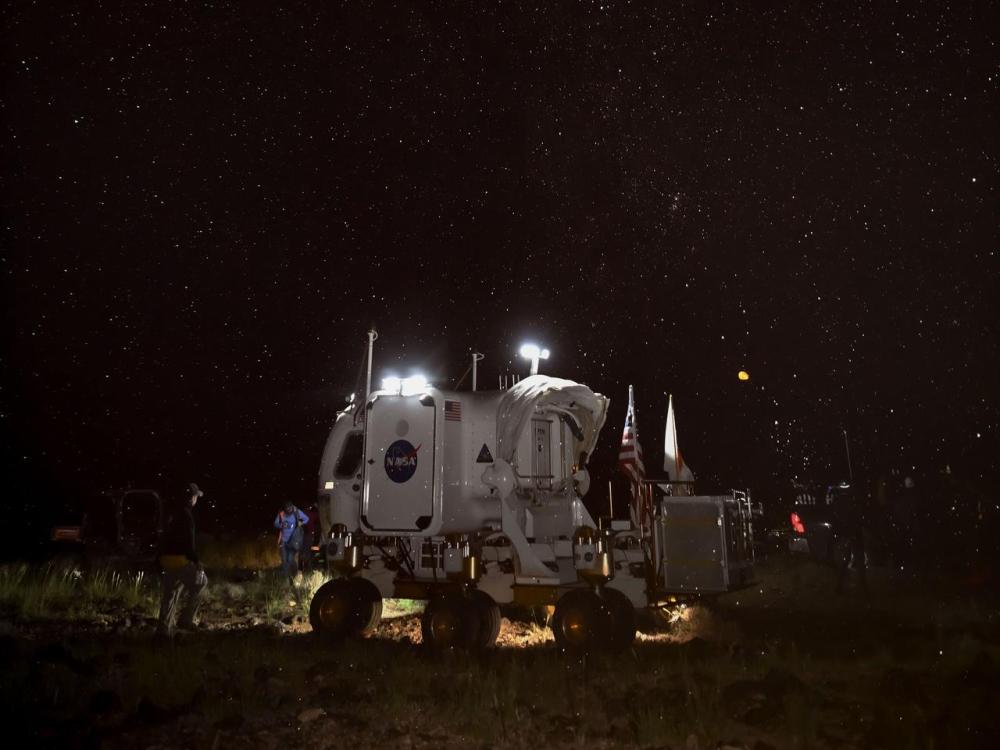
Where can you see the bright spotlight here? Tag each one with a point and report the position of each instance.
(410, 386)
(534, 353)
(414, 384)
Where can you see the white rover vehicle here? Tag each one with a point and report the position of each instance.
(473, 499)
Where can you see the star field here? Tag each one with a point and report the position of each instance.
(207, 204)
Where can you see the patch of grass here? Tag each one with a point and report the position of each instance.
(401, 607)
(65, 592)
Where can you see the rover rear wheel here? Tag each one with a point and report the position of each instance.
(582, 621)
(451, 621)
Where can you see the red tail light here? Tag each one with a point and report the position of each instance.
(800, 528)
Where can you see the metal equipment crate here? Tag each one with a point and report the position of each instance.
(705, 542)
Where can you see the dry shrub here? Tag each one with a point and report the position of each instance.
(243, 553)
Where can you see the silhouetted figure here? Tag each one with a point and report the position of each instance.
(851, 522)
(904, 510)
(182, 571)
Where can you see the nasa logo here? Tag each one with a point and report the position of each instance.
(401, 461)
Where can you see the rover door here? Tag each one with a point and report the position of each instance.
(399, 464)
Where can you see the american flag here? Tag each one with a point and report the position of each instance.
(630, 462)
(630, 455)
(452, 411)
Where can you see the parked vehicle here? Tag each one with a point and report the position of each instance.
(818, 524)
(118, 524)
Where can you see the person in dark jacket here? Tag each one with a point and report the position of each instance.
(851, 520)
(182, 571)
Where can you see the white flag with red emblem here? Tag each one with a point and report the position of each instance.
(673, 462)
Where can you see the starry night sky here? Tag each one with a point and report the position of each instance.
(207, 204)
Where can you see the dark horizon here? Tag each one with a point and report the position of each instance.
(206, 208)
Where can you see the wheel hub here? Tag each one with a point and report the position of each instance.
(333, 612)
(575, 627)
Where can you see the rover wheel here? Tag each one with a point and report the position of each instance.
(450, 621)
(367, 604)
(582, 621)
(489, 618)
(623, 623)
(332, 613)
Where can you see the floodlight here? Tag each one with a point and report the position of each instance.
(414, 384)
(534, 353)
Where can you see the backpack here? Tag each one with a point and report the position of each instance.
(298, 535)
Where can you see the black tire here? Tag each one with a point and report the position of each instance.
(489, 618)
(582, 622)
(332, 613)
(450, 622)
(623, 619)
(368, 606)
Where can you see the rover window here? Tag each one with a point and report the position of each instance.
(350, 456)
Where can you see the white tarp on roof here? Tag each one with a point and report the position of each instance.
(531, 395)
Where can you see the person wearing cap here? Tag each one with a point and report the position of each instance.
(182, 571)
(291, 523)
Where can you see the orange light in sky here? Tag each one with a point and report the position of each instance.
(743, 375)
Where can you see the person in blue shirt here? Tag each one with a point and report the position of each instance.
(291, 522)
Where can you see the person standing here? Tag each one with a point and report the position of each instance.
(291, 523)
(182, 571)
(851, 521)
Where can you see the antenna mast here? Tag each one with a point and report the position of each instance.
(372, 335)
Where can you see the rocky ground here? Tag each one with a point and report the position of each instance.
(786, 663)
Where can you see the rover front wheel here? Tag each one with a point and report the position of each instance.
(331, 612)
(367, 604)
(489, 618)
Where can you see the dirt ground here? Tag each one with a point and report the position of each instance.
(786, 663)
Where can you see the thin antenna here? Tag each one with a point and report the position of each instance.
(372, 335)
(847, 448)
(476, 359)
(611, 503)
